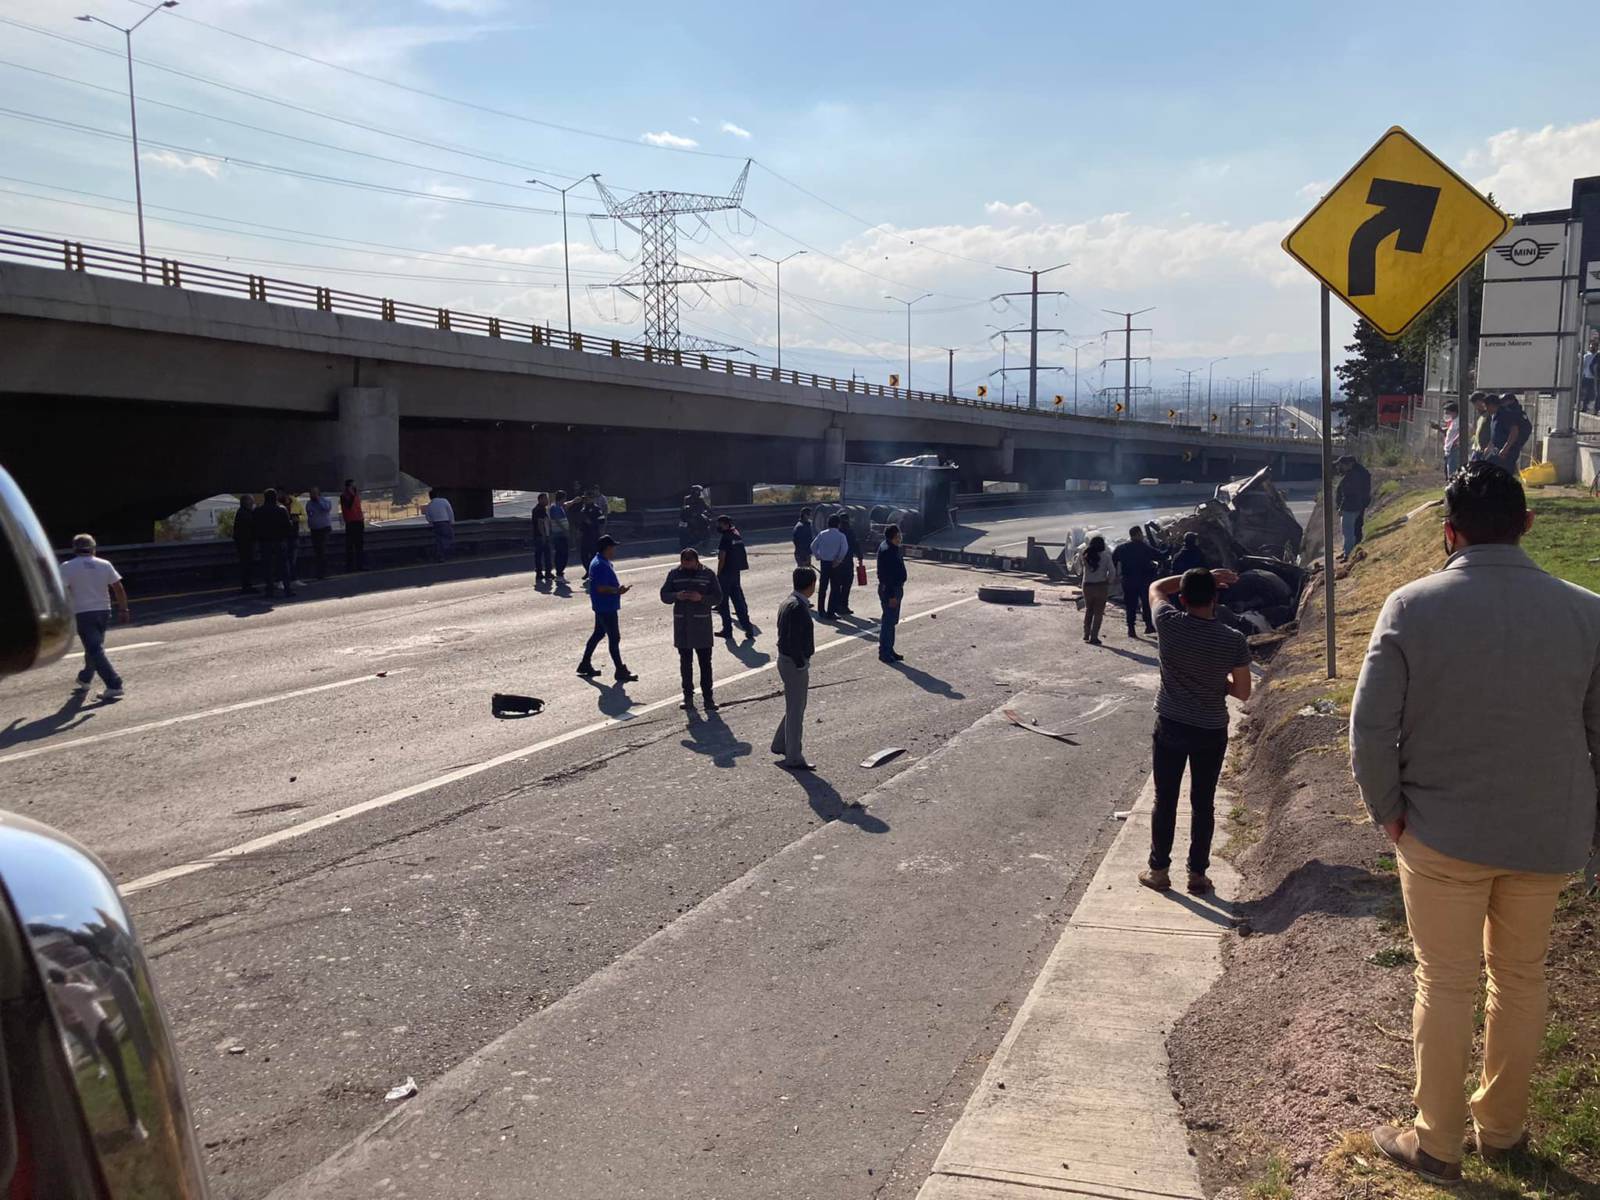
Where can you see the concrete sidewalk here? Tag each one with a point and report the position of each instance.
(1077, 1101)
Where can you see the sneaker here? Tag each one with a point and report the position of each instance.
(1156, 881)
(1199, 884)
(1400, 1147)
(111, 693)
(623, 676)
(79, 688)
(587, 671)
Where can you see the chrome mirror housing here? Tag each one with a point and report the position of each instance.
(93, 1084)
(35, 620)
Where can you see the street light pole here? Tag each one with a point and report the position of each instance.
(908, 304)
(1075, 350)
(778, 262)
(133, 116)
(566, 260)
(1211, 366)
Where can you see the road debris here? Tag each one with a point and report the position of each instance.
(878, 757)
(402, 1091)
(1015, 718)
(503, 704)
(1320, 708)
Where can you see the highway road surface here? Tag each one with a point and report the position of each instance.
(716, 978)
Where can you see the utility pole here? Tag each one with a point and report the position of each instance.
(1126, 360)
(1188, 378)
(1075, 350)
(908, 304)
(950, 379)
(566, 260)
(1033, 323)
(778, 262)
(133, 115)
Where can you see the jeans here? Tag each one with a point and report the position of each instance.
(824, 577)
(560, 549)
(92, 628)
(1452, 461)
(541, 556)
(444, 539)
(733, 592)
(1136, 599)
(291, 558)
(606, 625)
(275, 566)
(886, 628)
(686, 658)
(789, 738)
(355, 557)
(844, 575)
(1351, 521)
(1463, 916)
(319, 551)
(1095, 598)
(1175, 746)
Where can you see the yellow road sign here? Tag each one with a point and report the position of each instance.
(1395, 232)
(894, 381)
(982, 391)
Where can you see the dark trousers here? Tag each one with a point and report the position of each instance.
(319, 551)
(607, 625)
(291, 559)
(802, 558)
(1136, 599)
(733, 593)
(1174, 747)
(355, 557)
(247, 564)
(844, 574)
(588, 547)
(686, 658)
(275, 566)
(560, 550)
(542, 558)
(824, 577)
(886, 629)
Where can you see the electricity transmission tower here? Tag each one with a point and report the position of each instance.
(1127, 360)
(654, 217)
(1033, 324)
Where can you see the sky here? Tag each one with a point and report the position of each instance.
(1161, 152)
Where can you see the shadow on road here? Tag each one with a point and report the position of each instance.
(1210, 908)
(826, 802)
(928, 683)
(747, 653)
(69, 716)
(1148, 660)
(612, 697)
(709, 735)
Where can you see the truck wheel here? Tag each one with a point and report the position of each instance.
(1000, 594)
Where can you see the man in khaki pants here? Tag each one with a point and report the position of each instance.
(1488, 818)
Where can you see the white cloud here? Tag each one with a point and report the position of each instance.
(1533, 169)
(670, 140)
(1024, 210)
(448, 191)
(475, 8)
(210, 167)
(1314, 190)
(736, 130)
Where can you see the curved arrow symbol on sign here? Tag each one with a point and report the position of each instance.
(1407, 210)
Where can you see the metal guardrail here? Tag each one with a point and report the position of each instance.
(86, 257)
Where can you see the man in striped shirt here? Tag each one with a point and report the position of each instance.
(1203, 662)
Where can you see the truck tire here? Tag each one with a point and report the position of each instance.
(1002, 594)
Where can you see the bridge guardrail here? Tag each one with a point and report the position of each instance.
(86, 257)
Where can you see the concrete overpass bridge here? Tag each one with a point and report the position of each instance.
(131, 389)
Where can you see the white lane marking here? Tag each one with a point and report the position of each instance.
(92, 738)
(110, 649)
(1008, 545)
(291, 832)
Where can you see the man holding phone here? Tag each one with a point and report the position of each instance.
(605, 597)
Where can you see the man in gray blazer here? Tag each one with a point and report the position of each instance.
(1487, 820)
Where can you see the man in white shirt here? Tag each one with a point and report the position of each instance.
(831, 549)
(91, 584)
(438, 513)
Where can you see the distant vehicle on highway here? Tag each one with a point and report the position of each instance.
(917, 460)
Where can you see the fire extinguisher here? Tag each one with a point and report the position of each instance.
(861, 573)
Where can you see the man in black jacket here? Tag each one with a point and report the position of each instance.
(796, 644)
(844, 574)
(804, 535)
(1138, 562)
(1351, 498)
(694, 518)
(273, 531)
(692, 591)
(891, 591)
(732, 563)
(244, 541)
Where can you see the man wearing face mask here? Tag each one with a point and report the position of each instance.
(1488, 820)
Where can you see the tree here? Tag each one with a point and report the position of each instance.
(1377, 367)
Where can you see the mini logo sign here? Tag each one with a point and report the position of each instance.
(1524, 252)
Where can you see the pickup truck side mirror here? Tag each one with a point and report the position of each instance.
(91, 1098)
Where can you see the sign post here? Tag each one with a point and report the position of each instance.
(1389, 239)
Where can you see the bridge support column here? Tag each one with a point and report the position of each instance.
(833, 453)
(369, 437)
(470, 504)
(1008, 456)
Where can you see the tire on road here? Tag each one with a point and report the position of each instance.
(995, 593)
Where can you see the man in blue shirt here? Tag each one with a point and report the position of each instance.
(605, 597)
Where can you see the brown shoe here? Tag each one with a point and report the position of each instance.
(1156, 881)
(1501, 1153)
(1400, 1146)
(1199, 884)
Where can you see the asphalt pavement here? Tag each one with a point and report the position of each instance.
(347, 872)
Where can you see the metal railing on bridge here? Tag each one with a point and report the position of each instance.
(171, 272)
